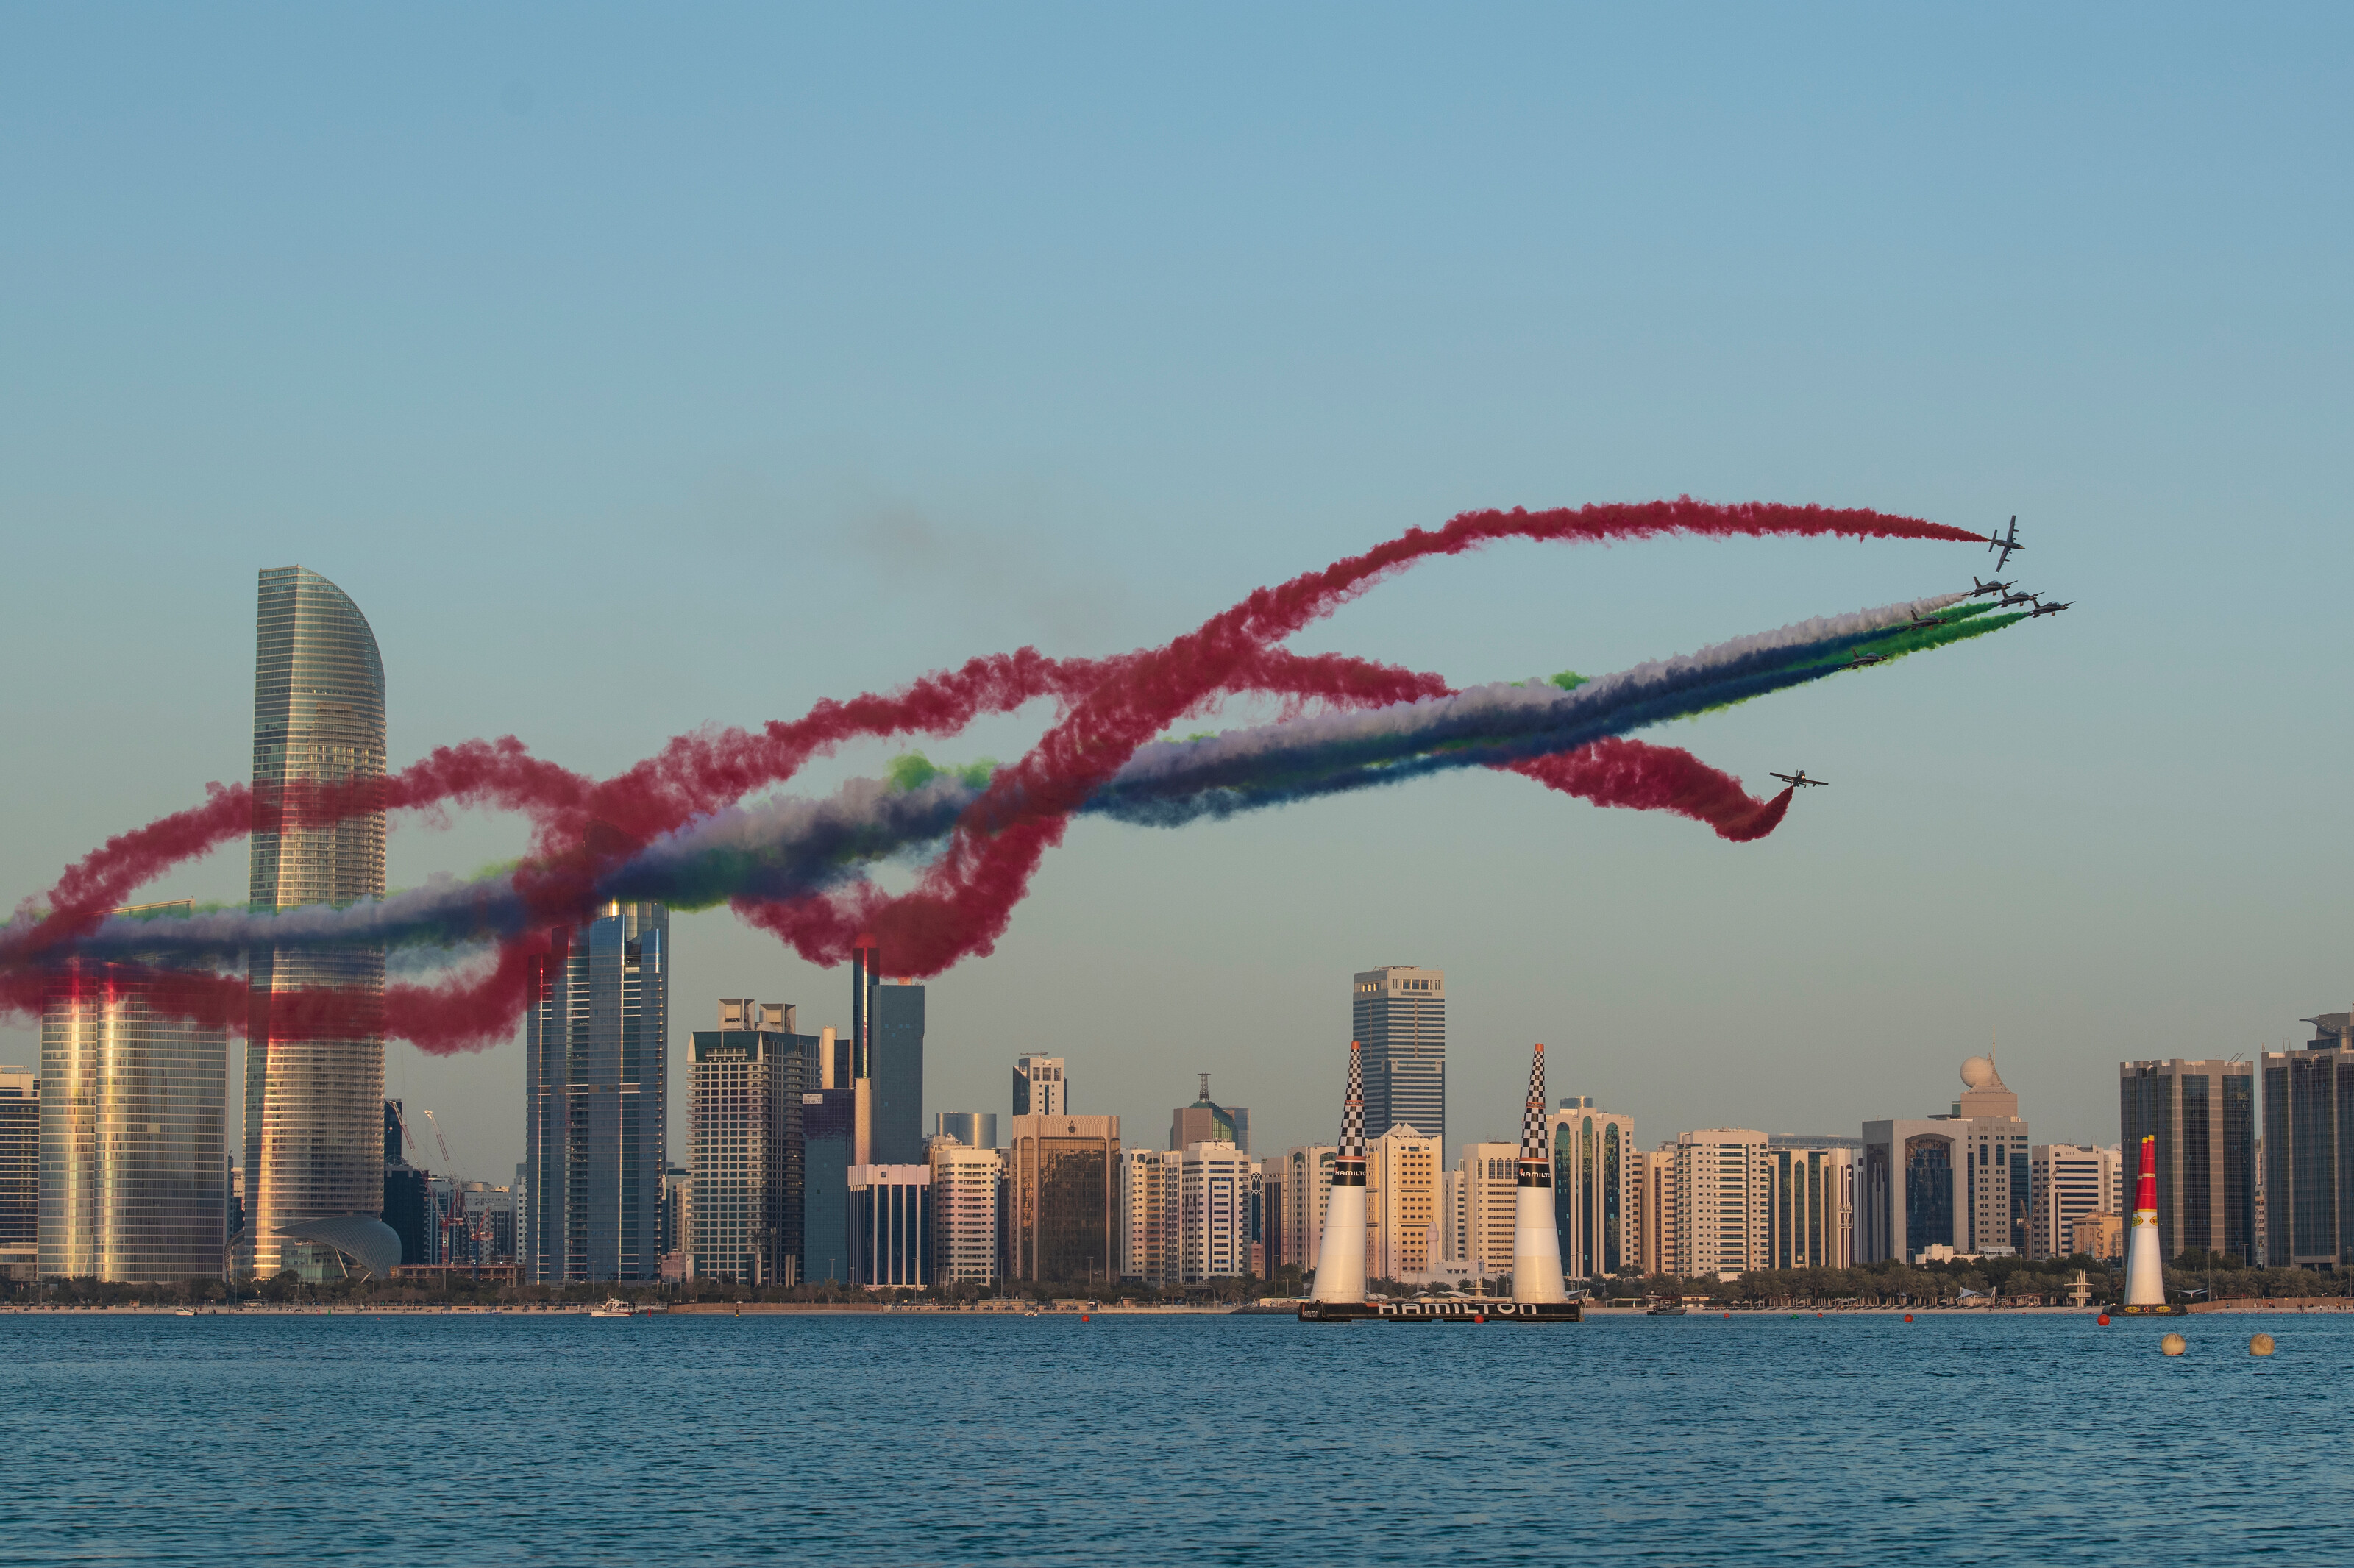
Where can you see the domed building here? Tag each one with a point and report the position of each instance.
(1957, 1182)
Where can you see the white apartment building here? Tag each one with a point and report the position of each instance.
(1401, 1204)
(1724, 1202)
(1490, 1206)
(2071, 1180)
(964, 1211)
(1214, 1185)
(1039, 1087)
(1593, 1188)
(735, 1152)
(1149, 1216)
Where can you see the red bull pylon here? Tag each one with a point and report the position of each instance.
(1341, 1265)
(1536, 1245)
(2144, 1258)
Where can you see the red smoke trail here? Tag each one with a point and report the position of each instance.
(965, 900)
(1632, 773)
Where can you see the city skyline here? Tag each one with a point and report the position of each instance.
(344, 661)
(1097, 528)
(2122, 898)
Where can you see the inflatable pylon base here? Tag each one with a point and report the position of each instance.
(1458, 1311)
(2172, 1309)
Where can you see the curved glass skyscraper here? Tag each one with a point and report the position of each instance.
(314, 1109)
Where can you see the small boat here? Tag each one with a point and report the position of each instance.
(185, 1312)
(1665, 1307)
(614, 1307)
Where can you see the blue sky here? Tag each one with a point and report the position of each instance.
(637, 370)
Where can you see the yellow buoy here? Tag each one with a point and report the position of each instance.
(2173, 1345)
(2260, 1345)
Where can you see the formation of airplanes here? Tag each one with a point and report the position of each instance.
(2004, 594)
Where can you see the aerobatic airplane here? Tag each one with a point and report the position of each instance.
(1977, 588)
(2010, 598)
(1923, 622)
(1795, 779)
(2006, 544)
(2052, 609)
(1860, 660)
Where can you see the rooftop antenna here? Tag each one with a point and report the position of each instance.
(1206, 1084)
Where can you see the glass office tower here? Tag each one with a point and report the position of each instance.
(1398, 1014)
(2308, 1151)
(314, 1109)
(134, 1168)
(596, 1096)
(2202, 1114)
(887, 1045)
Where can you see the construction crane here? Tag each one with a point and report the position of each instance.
(406, 1137)
(456, 1218)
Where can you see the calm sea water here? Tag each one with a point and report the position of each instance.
(966, 1439)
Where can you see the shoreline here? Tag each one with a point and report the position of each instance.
(2232, 1305)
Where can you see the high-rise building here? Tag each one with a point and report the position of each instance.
(2203, 1114)
(974, 1129)
(1038, 1087)
(406, 1199)
(1490, 1206)
(1961, 1180)
(1307, 1194)
(20, 1172)
(1149, 1216)
(891, 1225)
(1399, 1015)
(1401, 1202)
(1810, 1204)
(886, 1047)
(1593, 1188)
(678, 1186)
(1062, 1197)
(746, 1144)
(133, 1147)
(2071, 1180)
(1655, 1211)
(1722, 1197)
(1454, 1215)
(1205, 1122)
(964, 1211)
(1268, 1214)
(2308, 1150)
(829, 1149)
(596, 1100)
(1214, 1185)
(314, 1165)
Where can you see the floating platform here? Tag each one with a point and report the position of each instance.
(1471, 1311)
(2172, 1309)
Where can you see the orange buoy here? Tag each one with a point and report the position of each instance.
(2104, 1320)
(1083, 1317)
(1908, 1317)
